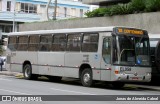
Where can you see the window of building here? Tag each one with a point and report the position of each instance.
(73, 12)
(90, 42)
(33, 43)
(22, 43)
(12, 43)
(8, 5)
(28, 8)
(59, 42)
(57, 11)
(81, 12)
(45, 42)
(74, 42)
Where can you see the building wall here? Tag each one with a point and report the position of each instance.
(0, 5)
(103, 3)
(4, 5)
(94, 1)
(148, 21)
(41, 6)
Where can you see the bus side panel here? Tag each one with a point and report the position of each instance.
(51, 63)
(18, 59)
(94, 62)
(74, 60)
(105, 71)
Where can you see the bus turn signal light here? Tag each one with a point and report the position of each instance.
(116, 71)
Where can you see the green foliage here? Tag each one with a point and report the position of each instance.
(97, 12)
(1, 50)
(115, 10)
(138, 5)
(152, 5)
(135, 6)
(121, 9)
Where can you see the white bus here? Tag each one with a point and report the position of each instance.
(112, 54)
(155, 55)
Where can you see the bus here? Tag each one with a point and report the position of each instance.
(155, 55)
(111, 54)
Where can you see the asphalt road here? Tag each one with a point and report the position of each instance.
(10, 85)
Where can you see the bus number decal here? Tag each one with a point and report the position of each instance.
(86, 58)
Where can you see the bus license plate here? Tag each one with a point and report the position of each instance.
(135, 78)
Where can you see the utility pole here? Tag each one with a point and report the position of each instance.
(14, 16)
(55, 10)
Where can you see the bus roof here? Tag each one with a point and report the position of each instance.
(74, 30)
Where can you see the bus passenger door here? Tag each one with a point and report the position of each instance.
(106, 59)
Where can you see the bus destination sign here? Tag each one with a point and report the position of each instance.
(129, 31)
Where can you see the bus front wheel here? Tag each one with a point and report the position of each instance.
(86, 77)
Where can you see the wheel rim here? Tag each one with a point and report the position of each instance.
(27, 72)
(86, 78)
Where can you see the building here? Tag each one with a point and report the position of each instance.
(103, 3)
(13, 12)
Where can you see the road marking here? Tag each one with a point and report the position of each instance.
(5, 79)
(15, 92)
(72, 91)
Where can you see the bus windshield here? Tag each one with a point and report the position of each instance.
(131, 50)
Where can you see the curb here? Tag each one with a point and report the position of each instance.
(10, 73)
(150, 87)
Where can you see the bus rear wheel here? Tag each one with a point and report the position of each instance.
(27, 72)
(86, 77)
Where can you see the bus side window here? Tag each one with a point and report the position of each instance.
(33, 43)
(90, 42)
(59, 42)
(45, 42)
(106, 51)
(22, 44)
(74, 42)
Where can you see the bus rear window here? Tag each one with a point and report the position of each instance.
(12, 44)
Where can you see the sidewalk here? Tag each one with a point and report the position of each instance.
(9, 73)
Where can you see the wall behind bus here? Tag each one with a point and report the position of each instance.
(148, 21)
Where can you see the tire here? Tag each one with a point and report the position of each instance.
(86, 77)
(27, 72)
(118, 85)
(54, 78)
